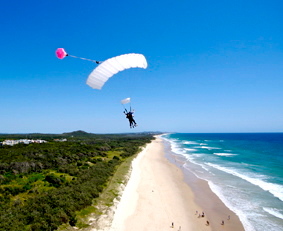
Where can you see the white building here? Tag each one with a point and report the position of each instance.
(23, 141)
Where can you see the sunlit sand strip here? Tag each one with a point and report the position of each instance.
(157, 198)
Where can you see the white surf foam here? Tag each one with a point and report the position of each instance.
(274, 189)
(241, 214)
(224, 154)
(274, 212)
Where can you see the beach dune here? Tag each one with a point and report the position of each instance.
(156, 197)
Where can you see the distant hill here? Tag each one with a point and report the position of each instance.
(78, 133)
(73, 135)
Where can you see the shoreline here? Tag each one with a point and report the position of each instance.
(215, 209)
(159, 194)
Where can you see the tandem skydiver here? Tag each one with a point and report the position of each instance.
(129, 116)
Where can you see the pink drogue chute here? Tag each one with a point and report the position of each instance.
(61, 53)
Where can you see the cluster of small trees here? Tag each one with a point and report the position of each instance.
(43, 185)
(49, 209)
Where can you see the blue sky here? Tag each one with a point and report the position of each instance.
(213, 66)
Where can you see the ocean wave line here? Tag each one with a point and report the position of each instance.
(275, 189)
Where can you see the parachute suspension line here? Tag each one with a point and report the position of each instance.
(126, 101)
(97, 62)
(125, 110)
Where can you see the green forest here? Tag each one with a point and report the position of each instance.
(43, 185)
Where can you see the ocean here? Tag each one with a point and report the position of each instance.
(245, 170)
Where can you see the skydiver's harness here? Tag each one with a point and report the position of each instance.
(127, 113)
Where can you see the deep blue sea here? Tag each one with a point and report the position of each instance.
(245, 170)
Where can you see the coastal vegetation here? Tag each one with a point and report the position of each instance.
(43, 186)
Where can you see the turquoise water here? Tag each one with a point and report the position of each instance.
(245, 170)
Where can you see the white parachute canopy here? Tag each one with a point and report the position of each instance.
(111, 66)
(125, 101)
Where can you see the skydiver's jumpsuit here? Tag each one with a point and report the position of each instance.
(129, 116)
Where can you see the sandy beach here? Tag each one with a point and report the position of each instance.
(158, 197)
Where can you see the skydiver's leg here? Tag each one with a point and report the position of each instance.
(135, 124)
(130, 123)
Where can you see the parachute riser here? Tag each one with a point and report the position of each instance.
(125, 109)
